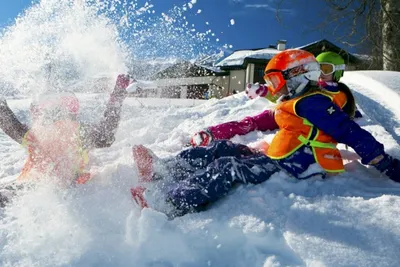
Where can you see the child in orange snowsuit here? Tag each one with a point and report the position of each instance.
(57, 143)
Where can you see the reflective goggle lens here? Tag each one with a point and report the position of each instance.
(65, 103)
(274, 81)
(327, 68)
(53, 109)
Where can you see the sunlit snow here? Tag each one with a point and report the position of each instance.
(349, 220)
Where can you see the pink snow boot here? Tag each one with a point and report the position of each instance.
(138, 195)
(144, 159)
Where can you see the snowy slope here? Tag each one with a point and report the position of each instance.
(379, 91)
(349, 220)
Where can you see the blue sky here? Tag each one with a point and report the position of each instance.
(241, 23)
(10, 9)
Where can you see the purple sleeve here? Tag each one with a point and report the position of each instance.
(261, 122)
(328, 117)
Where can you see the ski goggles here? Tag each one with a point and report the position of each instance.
(329, 68)
(276, 79)
(57, 108)
(68, 104)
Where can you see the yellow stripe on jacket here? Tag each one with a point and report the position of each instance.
(295, 131)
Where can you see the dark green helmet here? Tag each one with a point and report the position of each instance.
(335, 59)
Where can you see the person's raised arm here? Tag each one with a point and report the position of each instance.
(10, 124)
(103, 134)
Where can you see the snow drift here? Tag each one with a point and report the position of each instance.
(349, 220)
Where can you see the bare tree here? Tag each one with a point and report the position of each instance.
(391, 34)
(374, 22)
(372, 25)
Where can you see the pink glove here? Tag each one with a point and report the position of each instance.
(256, 89)
(202, 138)
(123, 80)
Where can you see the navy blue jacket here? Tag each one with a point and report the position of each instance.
(328, 117)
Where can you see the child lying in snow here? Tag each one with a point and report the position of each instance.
(310, 121)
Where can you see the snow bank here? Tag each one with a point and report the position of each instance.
(349, 220)
(379, 92)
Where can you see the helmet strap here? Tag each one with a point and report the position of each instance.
(337, 75)
(283, 98)
(301, 87)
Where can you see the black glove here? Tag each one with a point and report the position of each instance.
(390, 167)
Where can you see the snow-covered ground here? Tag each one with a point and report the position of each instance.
(350, 220)
(379, 90)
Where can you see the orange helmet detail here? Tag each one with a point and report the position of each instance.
(289, 59)
(294, 65)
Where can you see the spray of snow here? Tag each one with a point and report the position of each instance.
(62, 45)
(58, 41)
(352, 218)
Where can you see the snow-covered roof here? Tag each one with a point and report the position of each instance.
(238, 58)
(316, 47)
(211, 68)
(312, 43)
(363, 56)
